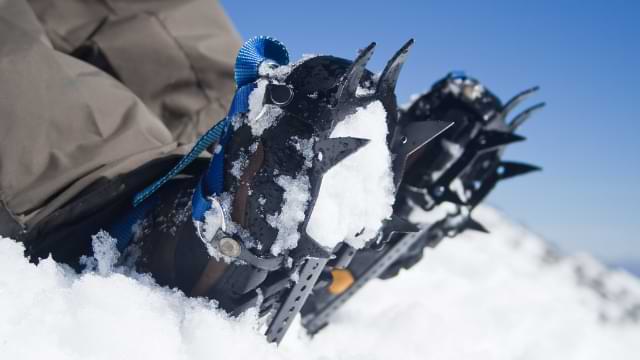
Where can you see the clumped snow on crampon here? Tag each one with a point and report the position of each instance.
(260, 116)
(295, 201)
(498, 296)
(357, 194)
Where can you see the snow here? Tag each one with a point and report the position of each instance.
(305, 147)
(274, 71)
(361, 91)
(217, 219)
(105, 253)
(467, 87)
(49, 312)
(295, 201)
(213, 221)
(498, 296)
(357, 194)
(260, 117)
(238, 166)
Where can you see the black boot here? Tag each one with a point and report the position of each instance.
(237, 229)
(443, 182)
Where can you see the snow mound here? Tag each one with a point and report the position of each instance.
(506, 295)
(50, 312)
(357, 194)
(503, 296)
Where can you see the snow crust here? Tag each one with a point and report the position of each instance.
(506, 295)
(260, 117)
(50, 312)
(357, 194)
(213, 221)
(105, 252)
(499, 296)
(295, 201)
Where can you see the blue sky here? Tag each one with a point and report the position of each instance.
(583, 54)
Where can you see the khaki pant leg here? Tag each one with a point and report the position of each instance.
(176, 56)
(64, 123)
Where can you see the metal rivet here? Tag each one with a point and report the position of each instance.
(229, 247)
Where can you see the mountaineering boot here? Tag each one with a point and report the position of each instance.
(443, 182)
(253, 226)
(455, 173)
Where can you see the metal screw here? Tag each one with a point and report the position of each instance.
(229, 247)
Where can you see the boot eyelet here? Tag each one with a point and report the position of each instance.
(280, 95)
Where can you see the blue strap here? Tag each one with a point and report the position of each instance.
(250, 56)
(122, 229)
(240, 104)
(212, 183)
(214, 176)
(211, 136)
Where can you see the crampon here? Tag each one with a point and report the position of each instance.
(443, 182)
(251, 226)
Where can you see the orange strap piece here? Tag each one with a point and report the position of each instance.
(342, 280)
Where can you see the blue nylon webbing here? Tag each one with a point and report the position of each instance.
(248, 61)
(122, 230)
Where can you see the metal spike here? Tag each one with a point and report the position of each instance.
(391, 72)
(417, 133)
(509, 169)
(523, 116)
(351, 79)
(397, 224)
(409, 138)
(308, 247)
(516, 100)
(393, 225)
(474, 225)
(331, 151)
(491, 140)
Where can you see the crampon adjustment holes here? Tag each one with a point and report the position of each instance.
(319, 319)
(293, 301)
